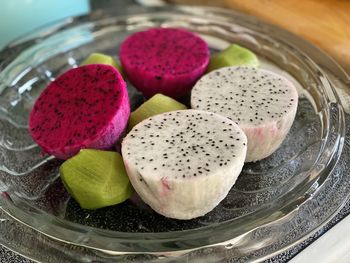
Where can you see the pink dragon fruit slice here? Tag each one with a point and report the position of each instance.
(86, 107)
(261, 102)
(164, 60)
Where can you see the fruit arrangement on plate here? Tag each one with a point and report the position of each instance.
(181, 158)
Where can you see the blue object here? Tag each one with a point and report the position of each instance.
(19, 17)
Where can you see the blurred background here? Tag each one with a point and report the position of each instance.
(325, 23)
(19, 17)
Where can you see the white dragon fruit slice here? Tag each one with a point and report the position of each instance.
(183, 163)
(261, 102)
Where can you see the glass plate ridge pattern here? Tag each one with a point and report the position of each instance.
(268, 196)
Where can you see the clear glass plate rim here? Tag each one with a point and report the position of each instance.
(108, 232)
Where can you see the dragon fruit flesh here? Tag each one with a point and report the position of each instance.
(183, 163)
(261, 102)
(86, 107)
(164, 60)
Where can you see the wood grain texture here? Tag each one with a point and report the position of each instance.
(325, 23)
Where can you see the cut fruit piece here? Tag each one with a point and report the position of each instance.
(98, 58)
(183, 163)
(234, 55)
(164, 60)
(159, 103)
(261, 102)
(85, 107)
(96, 178)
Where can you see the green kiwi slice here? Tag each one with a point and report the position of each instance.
(157, 104)
(98, 58)
(96, 178)
(234, 55)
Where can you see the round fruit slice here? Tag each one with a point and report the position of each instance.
(96, 178)
(86, 107)
(183, 163)
(164, 60)
(261, 102)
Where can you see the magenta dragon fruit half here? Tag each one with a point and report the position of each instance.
(86, 107)
(164, 60)
(261, 102)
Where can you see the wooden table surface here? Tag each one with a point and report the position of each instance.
(325, 23)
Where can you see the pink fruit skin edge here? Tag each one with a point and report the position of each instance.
(170, 85)
(269, 138)
(265, 139)
(106, 137)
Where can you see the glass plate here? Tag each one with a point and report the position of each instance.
(274, 204)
